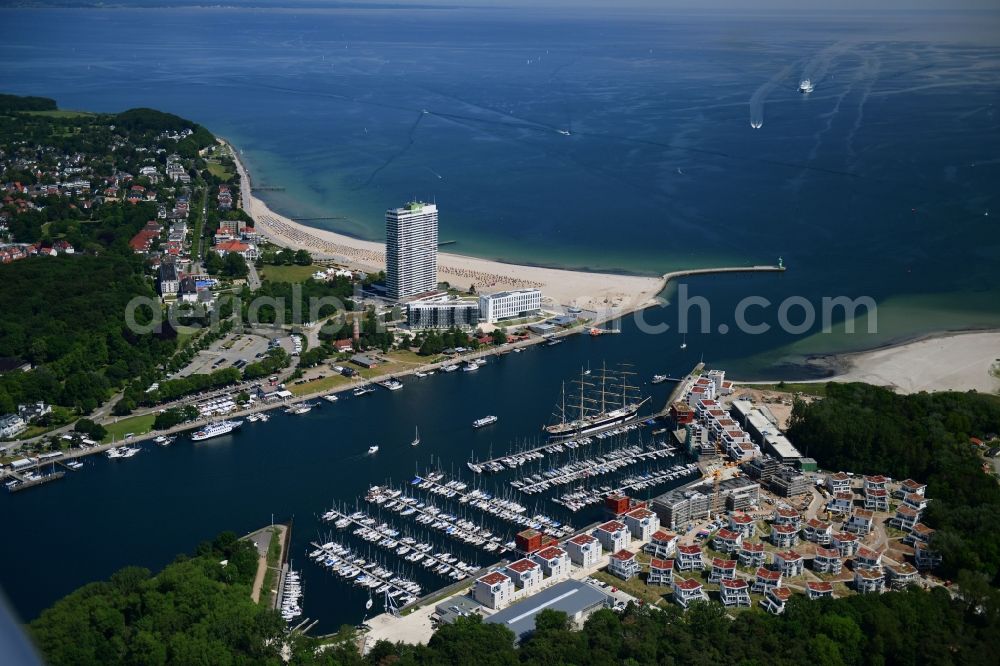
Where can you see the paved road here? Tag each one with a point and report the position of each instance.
(253, 280)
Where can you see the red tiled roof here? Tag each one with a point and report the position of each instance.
(583, 539)
(690, 549)
(493, 578)
(719, 563)
(661, 535)
(863, 513)
(521, 566)
(734, 583)
(782, 593)
(789, 555)
(867, 553)
(740, 519)
(612, 526)
(819, 587)
(868, 573)
(624, 555)
(767, 574)
(910, 483)
(818, 524)
(656, 563)
(753, 547)
(827, 552)
(551, 553)
(640, 513)
(877, 478)
(687, 584)
(784, 529)
(727, 534)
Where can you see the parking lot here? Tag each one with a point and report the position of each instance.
(224, 353)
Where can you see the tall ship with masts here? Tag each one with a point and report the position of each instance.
(596, 402)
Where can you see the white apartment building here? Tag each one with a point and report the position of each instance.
(509, 304)
(411, 246)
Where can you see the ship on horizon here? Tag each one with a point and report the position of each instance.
(601, 402)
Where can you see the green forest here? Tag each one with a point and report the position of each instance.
(66, 315)
(925, 436)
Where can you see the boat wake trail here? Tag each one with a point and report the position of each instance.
(817, 68)
(760, 96)
(399, 153)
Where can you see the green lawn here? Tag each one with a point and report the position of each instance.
(817, 389)
(327, 383)
(651, 594)
(185, 333)
(217, 170)
(293, 273)
(137, 425)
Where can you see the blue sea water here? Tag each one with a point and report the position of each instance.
(876, 184)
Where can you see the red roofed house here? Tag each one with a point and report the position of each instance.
(869, 581)
(742, 523)
(623, 564)
(876, 482)
(584, 550)
(751, 554)
(818, 590)
(786, 515)
(526, 574)
(734, 592)
(866, 558)
(906, 517)
(689, 558)
(789, 563)
(248, 252)
(827, 560)
(554, 561)
(860, 522)
(817, 531)
(661, 572)
(920, 532)
(784, 536)
(915, 500)
(722, 569)
(908, 487)
(877, 499)
(775, 599)
(662, 544)
(494, 590)
(687, 590)
(846, 543)
(766, 579)
(727, 541)
(900, 575)
(642, 523)
(613, 536)
(838, 483)
(840, 502)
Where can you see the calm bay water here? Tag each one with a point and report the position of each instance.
(878, 184)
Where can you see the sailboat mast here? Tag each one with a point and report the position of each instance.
(563, 410)
(582, 414)
(604, 376)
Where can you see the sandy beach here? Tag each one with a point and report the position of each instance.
(949, 362)
(605, 293)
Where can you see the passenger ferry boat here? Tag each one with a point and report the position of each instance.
(216, 430)
(485, 421)
(601, 402)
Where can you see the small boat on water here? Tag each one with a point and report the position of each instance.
(452, 367)
(163, 440)
(74, 464)
(363, 390)
(372, 450)
(806, 86)
(331, 398)
(658, 379)
(392, 384)
(416, 436)
(485, 421)
(470, 366)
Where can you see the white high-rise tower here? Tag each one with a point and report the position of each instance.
(411, 244)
